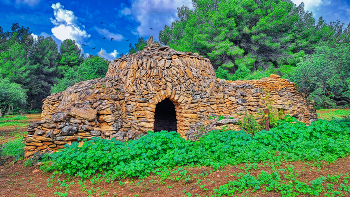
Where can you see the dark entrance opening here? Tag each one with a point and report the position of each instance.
(165, 116)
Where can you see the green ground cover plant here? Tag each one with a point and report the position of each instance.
(163, 151)
(168, 156)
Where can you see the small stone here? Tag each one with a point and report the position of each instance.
(105, 111)
(95, 133)
(60, 116)
(69, 130)
(49, 134)
(59, 138)
(70, 138)
(86, 128)
(60, 142)
(75, 121)
(44, 139)
(31, 139)
(39, 132)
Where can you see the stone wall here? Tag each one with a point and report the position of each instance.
(157, 89)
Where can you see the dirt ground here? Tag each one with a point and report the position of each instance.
(7, 130)
(17, 180)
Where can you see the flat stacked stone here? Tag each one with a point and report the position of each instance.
(123, 104)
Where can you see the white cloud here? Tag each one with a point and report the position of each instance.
(109, 56)
(126, 11)
(62, 15)
(312, 6)
(67, 26)
(35, 37)
(108, 34)
(101, 52)
(30, 3)
(156, 14)
(63, 32)
(309, 4)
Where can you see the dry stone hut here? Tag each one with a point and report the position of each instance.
(157, 89)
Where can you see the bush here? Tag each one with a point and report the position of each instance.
(11, 94)
(14, 148)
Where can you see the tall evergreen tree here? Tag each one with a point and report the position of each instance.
(14, 62)
(69, 56)
(243, 36)
(138, 46)
(23, 37)
(44, 56)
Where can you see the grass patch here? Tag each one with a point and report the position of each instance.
(8, 118)
(4, 124)
(12, 121)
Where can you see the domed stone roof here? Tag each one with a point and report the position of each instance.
(156, 62)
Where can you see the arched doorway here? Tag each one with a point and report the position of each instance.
(165, 116)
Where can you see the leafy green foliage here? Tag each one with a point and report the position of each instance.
(11, 94)
(14, 63)
(13, 118)
(244, 38)
(92, 68)
(42, 76)
(71, 77)
(138, 46)
(69, 56)
(22, 36)
(245, 35)
(163, 150)
(14, 148)
(325, 75)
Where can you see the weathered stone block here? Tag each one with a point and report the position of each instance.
(34, 144)
(60, 116)
(49, 126)
(31, 139)
(95, 133)
(60, 142)
(86, 113)
(105, 127)
(86, 128)
(108, 118)
(39, 132)
(41, 138)
(105, 111)
(69, 130)
(29, 148)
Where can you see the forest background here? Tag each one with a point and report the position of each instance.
(244, 41)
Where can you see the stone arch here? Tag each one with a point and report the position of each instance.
(165, 116)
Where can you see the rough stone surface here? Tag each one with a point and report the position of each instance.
(157, 89)
(59, 117)
(68, 130)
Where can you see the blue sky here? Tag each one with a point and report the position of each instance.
(80, 20)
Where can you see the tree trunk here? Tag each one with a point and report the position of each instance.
(1, 115)
(8, 111)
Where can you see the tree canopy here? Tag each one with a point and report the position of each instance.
(252, 39)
